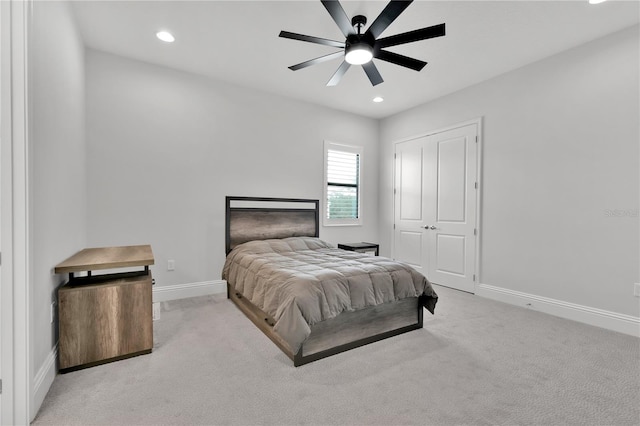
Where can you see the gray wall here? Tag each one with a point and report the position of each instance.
(165, 147)
(560, 150)
(58, 190)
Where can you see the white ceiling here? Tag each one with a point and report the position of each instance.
(237, 42)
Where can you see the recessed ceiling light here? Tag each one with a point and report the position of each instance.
(596, 1)
(378, 99)
(165, 36)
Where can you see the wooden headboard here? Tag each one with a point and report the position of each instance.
(259, 218)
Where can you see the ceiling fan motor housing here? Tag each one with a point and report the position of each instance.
(355, 39)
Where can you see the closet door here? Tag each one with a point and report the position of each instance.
(435, 206)
(409, 237)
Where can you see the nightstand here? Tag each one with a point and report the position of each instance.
(367, 248)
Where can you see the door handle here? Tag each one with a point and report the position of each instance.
(429, 227)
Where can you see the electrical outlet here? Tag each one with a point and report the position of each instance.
(156, 311)
(171, 265)
(636, 289)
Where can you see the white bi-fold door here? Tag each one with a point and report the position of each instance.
(435, 205)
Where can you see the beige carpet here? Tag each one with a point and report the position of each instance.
(476, 362)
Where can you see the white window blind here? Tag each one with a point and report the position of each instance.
(342, 190)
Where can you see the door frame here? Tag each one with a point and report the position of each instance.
(15, 337)
(478, 122)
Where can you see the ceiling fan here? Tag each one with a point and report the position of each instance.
(360, 49)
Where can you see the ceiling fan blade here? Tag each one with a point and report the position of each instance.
(312, 39)
(372, 72)
(339, 16)
(387, 16)
(316, 61)
(411, 36)
(337, 76)
(403, 61)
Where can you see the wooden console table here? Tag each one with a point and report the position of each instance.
(104, 318)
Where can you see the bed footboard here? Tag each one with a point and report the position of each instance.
(347, 331)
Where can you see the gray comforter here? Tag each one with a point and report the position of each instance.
(300, 281)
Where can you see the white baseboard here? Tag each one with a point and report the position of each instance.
(183, 291)
(43, 381)
(621, 323)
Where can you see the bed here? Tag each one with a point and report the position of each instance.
(310, 298)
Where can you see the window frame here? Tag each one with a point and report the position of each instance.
(353, 149)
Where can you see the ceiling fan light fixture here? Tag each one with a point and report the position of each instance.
(358, 53)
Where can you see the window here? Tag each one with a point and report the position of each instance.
(342, 184)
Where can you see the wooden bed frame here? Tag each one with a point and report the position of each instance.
(252, 218)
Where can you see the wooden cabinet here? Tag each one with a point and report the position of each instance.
(104, 318)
